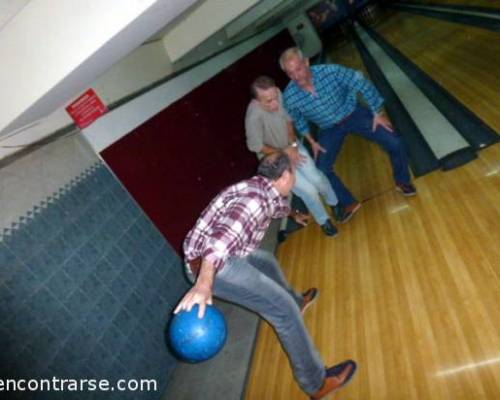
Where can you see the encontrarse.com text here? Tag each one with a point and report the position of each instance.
(76, 385)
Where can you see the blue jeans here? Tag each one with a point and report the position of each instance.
(310, 184)
(360, 122)
(256, 282)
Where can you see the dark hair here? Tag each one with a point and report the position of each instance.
(262, 82)
(273, 165)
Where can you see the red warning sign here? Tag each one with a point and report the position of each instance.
(86, 109)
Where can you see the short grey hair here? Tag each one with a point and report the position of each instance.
(290, 53)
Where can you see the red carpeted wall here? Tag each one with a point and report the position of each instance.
(177, 161)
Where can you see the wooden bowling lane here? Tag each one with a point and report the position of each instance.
(464, 60)
(410, 289)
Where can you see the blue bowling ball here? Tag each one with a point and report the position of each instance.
(198, 339)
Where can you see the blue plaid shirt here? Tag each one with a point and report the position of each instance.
(335, 98)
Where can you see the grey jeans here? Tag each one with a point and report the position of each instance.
(257, 283)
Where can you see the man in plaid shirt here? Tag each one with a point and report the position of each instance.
(326, 95)
(223, 259)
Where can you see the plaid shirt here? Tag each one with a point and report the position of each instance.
(235, 221)
(335, 98)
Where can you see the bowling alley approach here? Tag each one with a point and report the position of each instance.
(246, 200)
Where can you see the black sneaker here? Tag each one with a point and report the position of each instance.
(329, 229)
(338, 212)
(407, 189)
(344, 214)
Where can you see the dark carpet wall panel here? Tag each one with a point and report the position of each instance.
(178, 160)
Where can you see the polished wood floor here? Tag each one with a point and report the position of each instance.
(464, 60)
(411, 286)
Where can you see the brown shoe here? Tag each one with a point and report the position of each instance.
(351, 209)
(344, 214)
(310, 297)
(336, 378)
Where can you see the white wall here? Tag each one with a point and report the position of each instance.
(147, 64)
(9, 9)
(17, 140)
(52, 49)
(261, 10)
(215, 43)
(201, 23)
(32, 178)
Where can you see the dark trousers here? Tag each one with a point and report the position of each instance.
(360, 122)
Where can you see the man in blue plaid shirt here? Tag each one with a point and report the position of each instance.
(326, 95)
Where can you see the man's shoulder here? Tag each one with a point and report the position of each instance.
(256, 190)
(253, 110)
(257, 186)
(324, 68)
(255, 183)
(251, 106)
